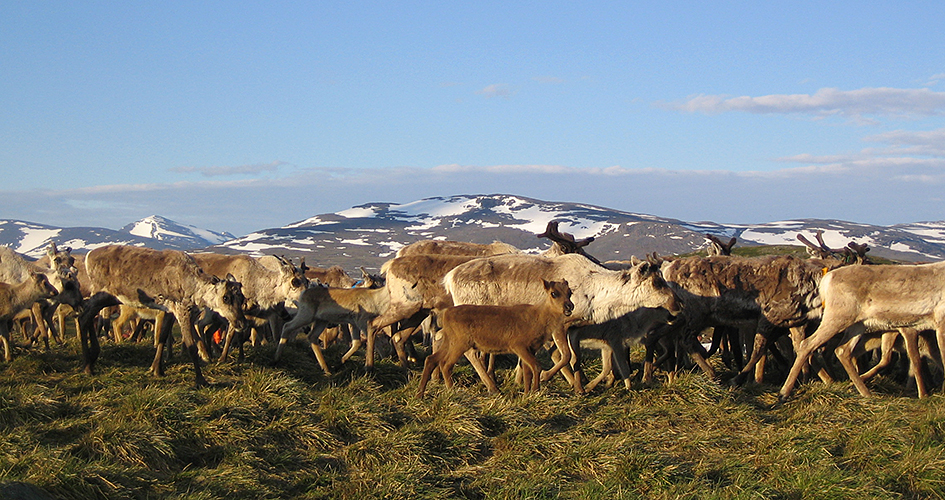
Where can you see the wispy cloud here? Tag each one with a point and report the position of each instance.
(548, 79)
(936, 79)
(923, 142)
(495, 90)
(835, 187)
(231, 170)
(883, 101)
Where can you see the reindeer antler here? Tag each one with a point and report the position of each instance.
(565, 240)
(852, 253)
(716, 247)
(821, 252)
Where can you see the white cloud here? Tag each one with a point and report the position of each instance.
(922, 142)
(935, 79)
(495, 90)
(231, 169)
(884, 101)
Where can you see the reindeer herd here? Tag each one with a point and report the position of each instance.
(478, 301)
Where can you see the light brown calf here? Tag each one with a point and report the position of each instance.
(521, 329)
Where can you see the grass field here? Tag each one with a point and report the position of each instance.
(289, 432)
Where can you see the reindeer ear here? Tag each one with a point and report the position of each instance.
(231, 278)
(547, 284)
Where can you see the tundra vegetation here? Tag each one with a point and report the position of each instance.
(288, 431)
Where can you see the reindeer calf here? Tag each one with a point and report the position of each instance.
(521, 329)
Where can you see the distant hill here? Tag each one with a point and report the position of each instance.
(372, 233)
(367, 235)
(157, 232)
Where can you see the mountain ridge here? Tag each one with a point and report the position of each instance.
(368, 234)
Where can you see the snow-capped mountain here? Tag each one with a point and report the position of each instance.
(163, 229)
(31, 239)
(367, 235)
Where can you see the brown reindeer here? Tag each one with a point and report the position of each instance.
(169, 280)
(521, 329)
(16, 297)
(447, 247)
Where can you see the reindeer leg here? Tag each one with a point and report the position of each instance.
(354, 333)
(844, 353)
(911, 337)
(5, 339)
(317, 330)
(561, 342)
(481, 370)
(304, 316)
(188, 333)
(163, 335)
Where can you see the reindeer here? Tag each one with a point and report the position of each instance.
(57, 266)
(169, 280)
(860, 299)
(268, 284)
(521, 329)
(446, 247)
(794, 316)
(613, 338)
(16, 297)
(599, 294)
(324, 306)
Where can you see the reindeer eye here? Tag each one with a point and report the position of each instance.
(227, 299)
(296, 283)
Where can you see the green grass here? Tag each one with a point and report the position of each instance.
(289, 432)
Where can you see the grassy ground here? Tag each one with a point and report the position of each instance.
(289, 432)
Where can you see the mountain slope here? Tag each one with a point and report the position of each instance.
(157, 232)
(370, 234)
(367, 235)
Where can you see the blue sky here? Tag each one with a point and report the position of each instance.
(239, 116)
